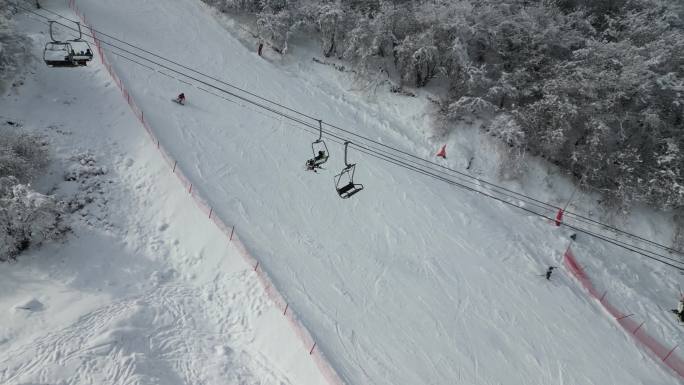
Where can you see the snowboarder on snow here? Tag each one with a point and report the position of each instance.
(181, 98)
(549, 271)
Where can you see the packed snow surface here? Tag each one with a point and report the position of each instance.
(411, 281)
(145, 290)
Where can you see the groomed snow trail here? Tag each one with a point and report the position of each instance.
(146, 290)
(409, 282)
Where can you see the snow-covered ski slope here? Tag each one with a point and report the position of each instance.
(145, 289)
(411, 281)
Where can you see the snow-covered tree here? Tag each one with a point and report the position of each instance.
(595, 86)
(13, 46)
(26, 217)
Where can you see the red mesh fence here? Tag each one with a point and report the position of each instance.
(229, 231)
(666, 353)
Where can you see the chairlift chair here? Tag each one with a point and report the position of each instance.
(320, 151)
(344, 181)
(70, 53)
(58, 54)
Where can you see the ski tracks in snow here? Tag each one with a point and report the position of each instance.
(169, 335)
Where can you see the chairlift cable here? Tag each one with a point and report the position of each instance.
(400, 162)
(537, 202)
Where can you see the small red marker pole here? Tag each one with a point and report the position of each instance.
(668, 354)
(624, 316)
(190, 189)
(638, 327)
(314, 346)
(559, 217)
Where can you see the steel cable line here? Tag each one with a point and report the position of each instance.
(537, 202)
(374, 152)
(577, 216)
(232, 94)
(245, 99)
(288, 108)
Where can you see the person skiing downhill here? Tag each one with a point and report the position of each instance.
(679, 311)
(181, 98)
(549, 271)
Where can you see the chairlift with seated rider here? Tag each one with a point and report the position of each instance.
(344, 181)
(70, 53)
(320, 151)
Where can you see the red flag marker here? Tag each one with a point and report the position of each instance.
(559, 217)
(442, 152)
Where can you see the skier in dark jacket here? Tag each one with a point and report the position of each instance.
(679, 311)
(181, 98)
(549, 271)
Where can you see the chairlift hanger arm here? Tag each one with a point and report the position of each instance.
(52, 36)
(320, 130)
(78, 28)
(346, 149)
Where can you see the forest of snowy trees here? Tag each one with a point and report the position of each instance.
(13, 46)
(594, 86)
(26, 216)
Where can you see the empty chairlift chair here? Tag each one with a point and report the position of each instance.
(58, 54)
(320, 151)
(344, 181)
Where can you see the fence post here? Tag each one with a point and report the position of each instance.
(256, 266)
(312, 348)
(232, 230)
(211, 210)
(190, 189)
(668, 354)
(623, 317)
(603, 296)
(174, 166)
(638, 327)
(286, 306)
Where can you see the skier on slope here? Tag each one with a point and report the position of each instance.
(181, 99)
(679, 311)
(549, 271)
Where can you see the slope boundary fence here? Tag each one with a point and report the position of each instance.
(307, 340)
(637, 330)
